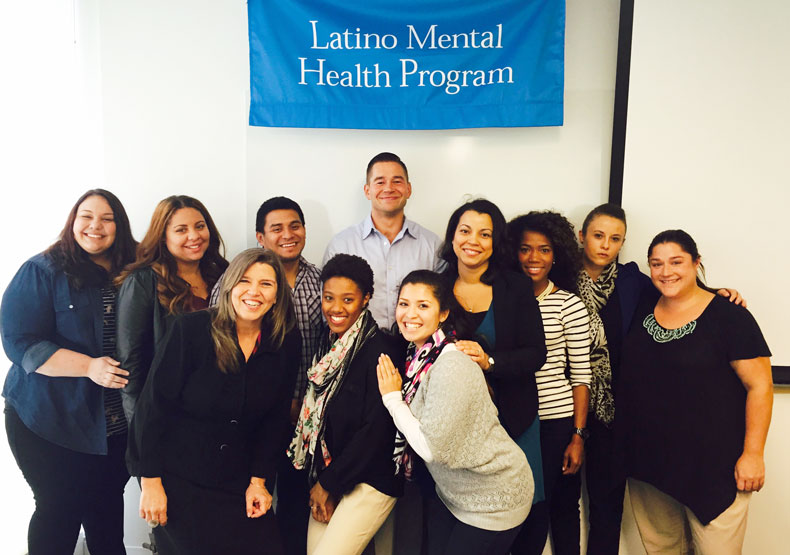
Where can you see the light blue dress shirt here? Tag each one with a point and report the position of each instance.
(414, 248)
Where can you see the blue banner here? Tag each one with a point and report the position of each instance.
(411, 64)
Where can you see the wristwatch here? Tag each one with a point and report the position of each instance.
(582, 433)
(490, 363)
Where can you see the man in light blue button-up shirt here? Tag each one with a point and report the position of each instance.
(392, 244)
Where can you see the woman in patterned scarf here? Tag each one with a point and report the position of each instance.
(445, 416)
(344, 436)
(611, 292)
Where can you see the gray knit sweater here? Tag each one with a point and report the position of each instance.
(481, 475)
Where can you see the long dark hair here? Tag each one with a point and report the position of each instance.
(173, 292)
(559, 231)
(501, 257)
(69, 257)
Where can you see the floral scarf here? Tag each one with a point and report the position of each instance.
(324, 378)
(418, 361)
(595, 295)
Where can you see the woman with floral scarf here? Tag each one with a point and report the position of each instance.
(344, 436)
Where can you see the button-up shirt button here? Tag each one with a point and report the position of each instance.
(71, 306)
(234, 422)
(223, 446)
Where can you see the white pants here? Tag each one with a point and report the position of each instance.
(355, 521)
(669, 527)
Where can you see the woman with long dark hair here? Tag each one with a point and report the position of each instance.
(547, 252)
(178, 262)
(213, 416)
(64, 419)
(499, 322)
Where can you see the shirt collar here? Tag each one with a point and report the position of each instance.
(367, 227)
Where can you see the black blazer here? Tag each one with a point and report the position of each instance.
(360, 433)
(210, 428)
(520, 350)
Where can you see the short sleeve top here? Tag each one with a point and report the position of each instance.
(682, 406)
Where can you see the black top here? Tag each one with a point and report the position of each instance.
(142, 325)
(360, 433)
(682, 406)
(520, 350)
(213, 429)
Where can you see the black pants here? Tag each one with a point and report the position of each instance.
(605, 490)
(560, 510)
(449, 536)
(71, 489)
(293, 510)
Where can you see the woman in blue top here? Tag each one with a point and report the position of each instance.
(64, 420)
(499, 324)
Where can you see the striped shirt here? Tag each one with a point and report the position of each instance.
(113, 410)
(566, 325)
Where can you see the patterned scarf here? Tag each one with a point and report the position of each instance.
(417, 364)
(324, 378)
(595, 295)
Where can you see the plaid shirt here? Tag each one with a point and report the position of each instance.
(307, 302)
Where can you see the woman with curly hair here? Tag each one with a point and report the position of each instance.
(547, 252)
(178, 262)
(344, 437)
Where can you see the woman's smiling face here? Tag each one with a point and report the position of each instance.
(342, 302)
(418, 313)
(473, 242)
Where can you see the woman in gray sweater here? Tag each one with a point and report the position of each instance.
(445, 416)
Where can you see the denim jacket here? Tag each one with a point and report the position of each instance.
(41, 313)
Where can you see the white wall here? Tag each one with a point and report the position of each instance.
(706, 151)
(167, 93)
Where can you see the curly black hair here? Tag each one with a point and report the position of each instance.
(560, 233)
(352, 267)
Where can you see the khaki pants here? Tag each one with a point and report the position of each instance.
(354, 523)
(668, 527)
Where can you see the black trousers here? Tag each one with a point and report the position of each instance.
(71, 489)
(293, 511)
(449, 536)
(605, 490)
(560, 510)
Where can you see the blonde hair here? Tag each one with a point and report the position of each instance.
(280, 319)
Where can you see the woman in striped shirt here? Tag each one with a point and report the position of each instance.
(547, 253)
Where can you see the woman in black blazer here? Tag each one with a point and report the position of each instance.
(499, 321)
(213, 415)
(344, 436)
